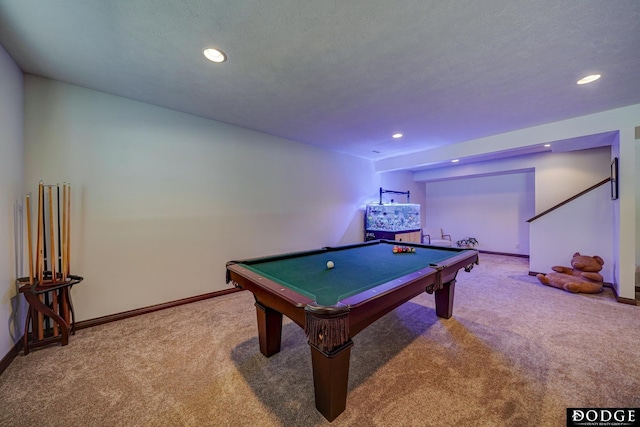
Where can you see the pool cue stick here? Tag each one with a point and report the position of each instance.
(68, 228)
(29, 244)
(38, 248)
(52, 237)
(52, 252)
(30, 316)
(63, 239)
(44, 296)
(47, 250)
(40, 251)
(59, 234)
(67, 219)
(59, 305)
(45, 253)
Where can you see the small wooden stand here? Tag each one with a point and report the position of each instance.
(51, 300)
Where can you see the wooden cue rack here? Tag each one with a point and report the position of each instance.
(50, 318)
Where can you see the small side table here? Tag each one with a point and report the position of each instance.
(59, 310)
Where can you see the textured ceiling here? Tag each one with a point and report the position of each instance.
(343, 75)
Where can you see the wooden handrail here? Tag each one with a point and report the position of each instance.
(604, 181)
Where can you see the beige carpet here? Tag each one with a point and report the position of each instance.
(516, 353)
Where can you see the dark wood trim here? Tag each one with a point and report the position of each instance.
(8, 358)
(604, 181)
(144, 310)
(623, 300)
(504, 253)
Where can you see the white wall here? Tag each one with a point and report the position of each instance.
(625, 217)
(492, 200)
(162, 200)
(563, 175)
(584, 226)
(493, 209)
(11, 160)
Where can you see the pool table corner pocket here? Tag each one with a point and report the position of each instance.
(327, 327)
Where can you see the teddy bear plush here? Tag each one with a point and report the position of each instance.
(582, 276)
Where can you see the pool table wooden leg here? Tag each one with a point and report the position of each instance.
(444, 300)
(269, 329)
(330, 379)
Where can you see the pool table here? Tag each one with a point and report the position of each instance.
(332, 305)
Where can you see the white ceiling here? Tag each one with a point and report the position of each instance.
(343, 75)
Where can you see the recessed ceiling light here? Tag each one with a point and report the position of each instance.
(396, 135)
(215, 55)
(455, 160)
(547, 145)
(588, 79)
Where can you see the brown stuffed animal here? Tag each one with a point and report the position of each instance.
(583, 277)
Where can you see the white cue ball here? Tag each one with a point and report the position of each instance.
(330, 264)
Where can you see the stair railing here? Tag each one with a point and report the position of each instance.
(604, 181)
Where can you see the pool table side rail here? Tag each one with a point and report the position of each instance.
(451, 266)
(391, 286)
(391, 242)
(469, 256)
(363, 312)
(268, 294)
(257, 260)
(248, 279)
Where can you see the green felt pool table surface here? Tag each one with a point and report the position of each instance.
(357, 268)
